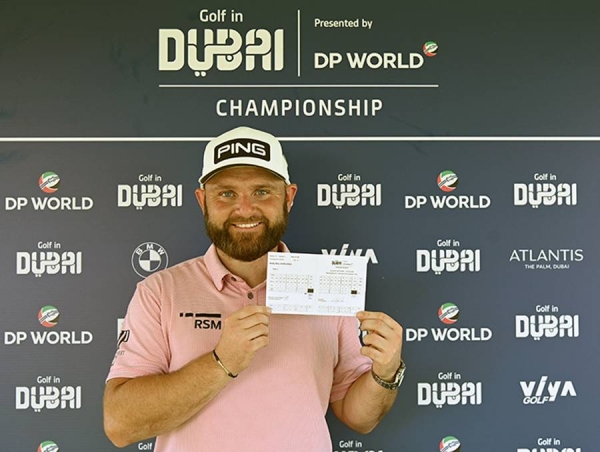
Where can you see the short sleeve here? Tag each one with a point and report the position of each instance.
(351, 364)
(142, 348)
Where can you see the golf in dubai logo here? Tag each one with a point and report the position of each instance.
(149, 257)
(48, 446)
(48, 316)
(430, 48)
(447, 181)
(450, 444)
(448, 313)
(49, 182)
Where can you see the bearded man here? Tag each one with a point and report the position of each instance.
(253, 381)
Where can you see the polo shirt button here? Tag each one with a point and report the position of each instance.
(250, 295)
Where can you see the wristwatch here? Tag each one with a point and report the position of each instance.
(391, 385)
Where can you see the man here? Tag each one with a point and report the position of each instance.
(255, 381)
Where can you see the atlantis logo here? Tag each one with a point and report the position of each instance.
(447, 181)
(547, 259)
(546, 193)
(226, 49)
(448, 314)
(49, 183)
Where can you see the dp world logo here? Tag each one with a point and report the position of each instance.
(430, 48)
(450, 444)
(48, 446)
(447, 181)
(49, 182)
(48, 316)
(448, 313)
(149, 257)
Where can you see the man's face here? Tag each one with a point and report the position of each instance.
(245, 211)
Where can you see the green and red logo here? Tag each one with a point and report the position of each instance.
(430, 48)
(48, 316)
(447, 181)
(48, 446)
(450, 444)
(49, 182)
(448, 313)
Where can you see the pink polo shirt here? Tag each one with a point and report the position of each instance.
(279, 402)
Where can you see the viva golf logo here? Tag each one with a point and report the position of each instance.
(48, 446)
(450, 444)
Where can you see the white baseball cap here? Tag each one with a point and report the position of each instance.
(244, 146)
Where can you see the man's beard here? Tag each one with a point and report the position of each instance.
(246, 246)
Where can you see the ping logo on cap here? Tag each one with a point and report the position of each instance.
(242, 147)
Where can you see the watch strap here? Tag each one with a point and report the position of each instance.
(391, 385)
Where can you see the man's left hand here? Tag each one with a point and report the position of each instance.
(382, 343)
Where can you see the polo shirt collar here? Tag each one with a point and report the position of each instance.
(218, 271)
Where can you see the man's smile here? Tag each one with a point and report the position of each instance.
(246, 226)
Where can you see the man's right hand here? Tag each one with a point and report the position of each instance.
(244, 333)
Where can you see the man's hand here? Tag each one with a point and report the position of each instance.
(181, 394)
(383, 342)
(244, 333)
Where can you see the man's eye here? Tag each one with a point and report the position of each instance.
(227, 194)
(262, 192)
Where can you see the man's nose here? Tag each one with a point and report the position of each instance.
(245, 205)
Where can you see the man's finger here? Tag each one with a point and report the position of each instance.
(253, 320)
(248, 311)
(369, 316)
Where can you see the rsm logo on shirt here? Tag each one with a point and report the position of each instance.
(203, 320)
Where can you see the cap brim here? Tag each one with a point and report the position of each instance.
(206, 177)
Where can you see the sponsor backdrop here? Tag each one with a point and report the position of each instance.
(455, 145)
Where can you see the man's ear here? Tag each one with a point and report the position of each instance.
(201, 198)
(290, 194)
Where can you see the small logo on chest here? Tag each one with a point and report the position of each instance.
(203, 320)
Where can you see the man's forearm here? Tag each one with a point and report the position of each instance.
(144, 407)
(365, 404)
